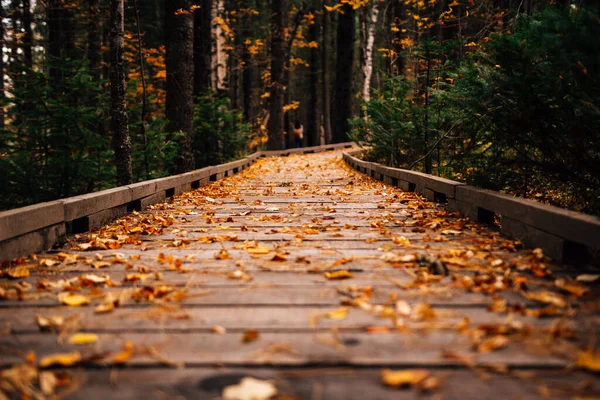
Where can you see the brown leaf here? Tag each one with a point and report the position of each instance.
(493, 343)
(124, 355)
(250, 335)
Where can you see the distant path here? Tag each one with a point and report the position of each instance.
(238, 278)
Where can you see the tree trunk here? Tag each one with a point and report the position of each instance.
(325, 75)
(344, 74)
(219, 55)
(313, 113)
(202, 46)
(27, 35)
(179, 32)
(2, 94)
(119, 120)
(93, 51)
(368, 32)
(60, 37)
(275, 124)
(247, 63)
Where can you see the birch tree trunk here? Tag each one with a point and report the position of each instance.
(179, 32)
(369, 22)
(118, 110)
(219, 55)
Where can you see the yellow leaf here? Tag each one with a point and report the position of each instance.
(63, 359)
(259, 250)
(401, 240)
(72, 299)
(340, 313)
(19, 272)
(407, 377)
(83, 338)
(339, 275)
(588, 360)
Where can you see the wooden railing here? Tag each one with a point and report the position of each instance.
(564, 235)
(41, 226)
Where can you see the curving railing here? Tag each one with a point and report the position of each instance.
(564, 235)
(41, 226)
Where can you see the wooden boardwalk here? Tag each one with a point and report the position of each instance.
(303, 273)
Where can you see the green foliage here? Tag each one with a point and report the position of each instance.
(51, 148)
(520, 114)
(221, 134)
(389, 126)
(153, 150)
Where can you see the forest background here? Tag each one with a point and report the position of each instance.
(503, 94)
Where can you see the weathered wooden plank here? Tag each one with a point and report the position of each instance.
(328, 383)
(341, 348)
(173, 319)
(281, 295)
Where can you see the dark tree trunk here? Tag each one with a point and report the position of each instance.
(326, 81)
(275, 124)
(313, 113)
(60, 36)
(202, 46)
(247, 64)
(93, 51)
(119, 120)
(397, 63)
(27, 35)
(179, 32)
(344, 74)
(2, 94)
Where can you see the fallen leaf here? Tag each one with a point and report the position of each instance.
(588, 278)
(396, 258)
(450, 232)
(401, 240)
(404, 378)
(340, 313)
(18, 272)
(343, 274)
(548, 298)
(48, 382)
(72, 299)
(83, 338)
(259, 250)
(124, 355)
(493, 343)
(250, 335)
(250, 389)
(588, 360)
(100, 264)
(570, 287)
(62, 359)
(48, 323)
(219, 330)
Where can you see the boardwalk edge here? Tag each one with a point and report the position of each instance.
(563, 235)
(41, 226)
